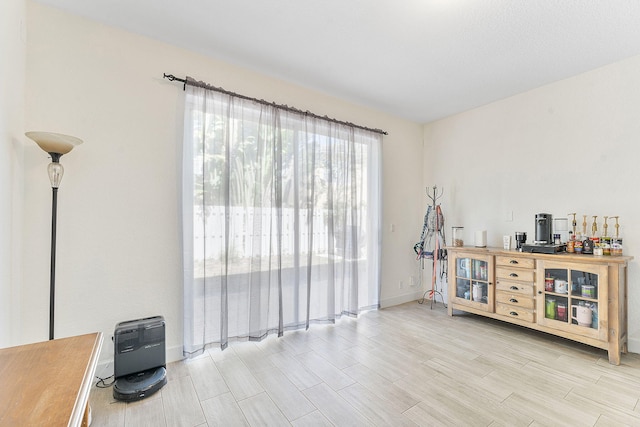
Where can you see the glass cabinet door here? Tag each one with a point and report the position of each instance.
(473, 279)
(573, 297)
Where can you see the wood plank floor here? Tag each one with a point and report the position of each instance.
(401, 366)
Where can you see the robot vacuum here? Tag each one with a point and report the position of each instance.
(139, 360)
(140, 385)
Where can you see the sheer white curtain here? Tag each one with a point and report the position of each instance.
(281, 216)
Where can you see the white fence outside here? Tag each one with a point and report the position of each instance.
(254, 231)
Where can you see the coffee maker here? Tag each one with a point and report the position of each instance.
(543, 229)
(543, 242)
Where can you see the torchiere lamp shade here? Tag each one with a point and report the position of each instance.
(54, 142)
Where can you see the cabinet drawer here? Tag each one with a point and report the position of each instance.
(515, 287)
(517, 300)
(514, 274)
(514, 312)
(506, 261)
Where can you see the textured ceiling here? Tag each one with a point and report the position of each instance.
(417, 59)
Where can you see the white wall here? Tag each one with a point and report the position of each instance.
(12, 68)
(571, 146)
(119, 252)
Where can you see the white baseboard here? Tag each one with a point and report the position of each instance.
(174, 354)
(401, 299)
(633, 345)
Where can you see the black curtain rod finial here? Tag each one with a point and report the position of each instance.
(171, 78)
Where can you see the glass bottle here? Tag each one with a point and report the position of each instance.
(457, 236)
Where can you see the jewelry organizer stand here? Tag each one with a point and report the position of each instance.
(433, 229)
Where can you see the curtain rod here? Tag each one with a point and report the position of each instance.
(191, 82)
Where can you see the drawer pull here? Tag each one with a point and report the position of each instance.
(513, 275)
(514, 288)
(513, 261)
(513, 313)
(513, 300)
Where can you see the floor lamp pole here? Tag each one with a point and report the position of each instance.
(52, 282)
(55, 144)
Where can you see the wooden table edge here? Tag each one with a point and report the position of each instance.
(82, 400)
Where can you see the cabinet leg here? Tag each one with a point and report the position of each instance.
(614, 353)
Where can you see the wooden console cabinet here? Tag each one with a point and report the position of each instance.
(585, 297)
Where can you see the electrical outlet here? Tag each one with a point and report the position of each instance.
(400, 285)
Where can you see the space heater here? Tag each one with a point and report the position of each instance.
(139, 359)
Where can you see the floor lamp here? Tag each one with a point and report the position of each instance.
(56, 145)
